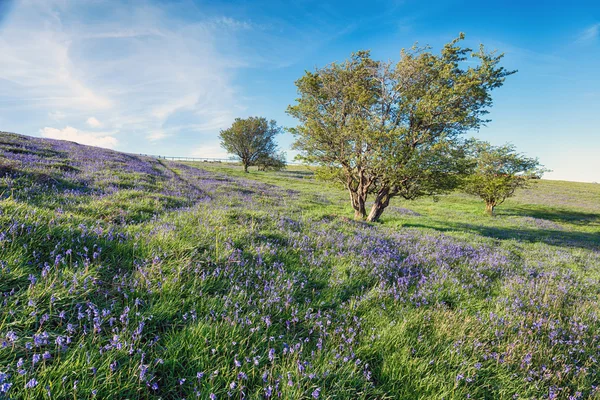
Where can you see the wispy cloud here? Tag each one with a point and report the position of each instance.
(139, 71)
(590, 34)
(56, 115)
(157, 135)
(234, 23)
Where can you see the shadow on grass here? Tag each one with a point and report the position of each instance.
(586, 240)
(296, 174)
(555, 215)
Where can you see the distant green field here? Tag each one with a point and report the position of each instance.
(552, 212)
(130, 277)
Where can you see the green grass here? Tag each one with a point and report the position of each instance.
(262, 283)
(553, 212)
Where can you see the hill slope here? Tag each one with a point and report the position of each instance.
(132, 277)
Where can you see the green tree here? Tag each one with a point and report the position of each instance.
(394, 129)
(498, 171)
(272, 162)
(250, 139)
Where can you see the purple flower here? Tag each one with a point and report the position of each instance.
(11, 336)
(143, 370)
(316, 393)
(5, 387)
(31, 384)
(268, 391)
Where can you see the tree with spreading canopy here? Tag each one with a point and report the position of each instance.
(251, 139)
(394, 129)
(498, 171)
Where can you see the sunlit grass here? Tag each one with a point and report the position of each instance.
(167, 281)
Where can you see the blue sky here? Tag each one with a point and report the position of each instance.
(163, 77)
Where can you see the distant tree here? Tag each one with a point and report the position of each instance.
(394, 130)
(273, 162)
(250, 139)
(498, 171)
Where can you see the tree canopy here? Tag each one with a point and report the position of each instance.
(394, 129)
(251, 139)
(271, 162)
(498, 171)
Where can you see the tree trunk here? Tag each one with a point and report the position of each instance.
(358, 187)
(489, 209)
(358, 203)
(245, 168)
(381, 202)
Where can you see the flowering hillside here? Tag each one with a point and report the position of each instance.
(130, 277)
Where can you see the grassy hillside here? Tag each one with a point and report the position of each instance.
(552, 212)
(132, 277)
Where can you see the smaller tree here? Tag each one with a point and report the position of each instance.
(250, 139)
(273, 162)
(498, 171)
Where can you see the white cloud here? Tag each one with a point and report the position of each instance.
(93, 122)
(233, 23)
(187, 102)
(590, 34)
(157, 135)
(133, 71)
(38, 62)
(82, 137)
(56, 115)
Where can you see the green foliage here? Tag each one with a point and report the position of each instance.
(251, 139)
(327, 173)
(498, 171)
(271, 162)
(394, 130)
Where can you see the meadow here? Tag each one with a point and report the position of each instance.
(132, 277)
